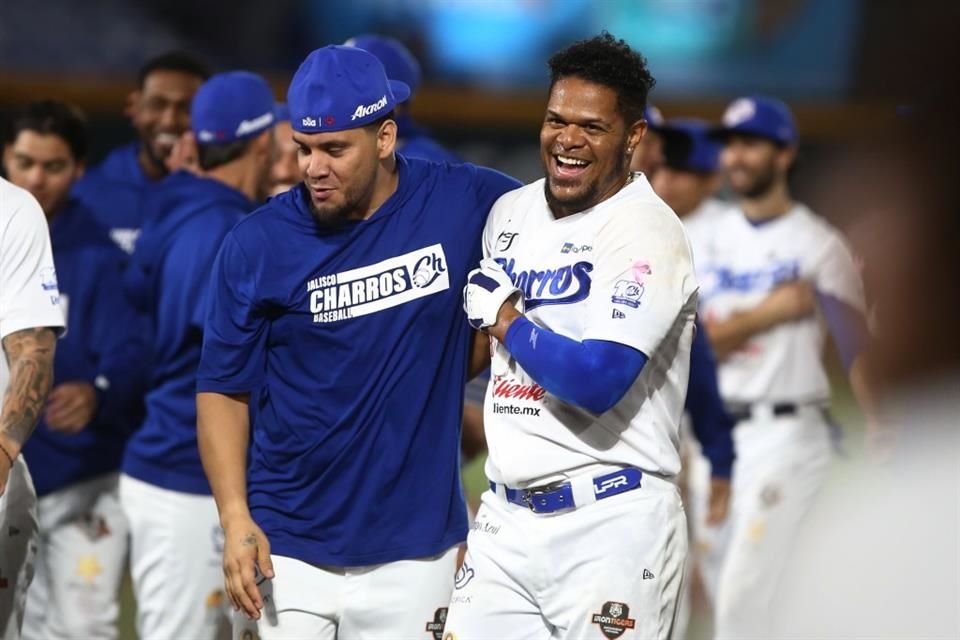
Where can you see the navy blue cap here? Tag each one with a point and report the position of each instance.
(231, 106)
(759, 116)
(688, 145)
(397, 60)
(653, 116)
(339, 88)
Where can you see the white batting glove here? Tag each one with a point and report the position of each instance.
(487, 289)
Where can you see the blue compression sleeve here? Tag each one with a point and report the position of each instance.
(712, 425)
(847, 326)
(594, 374)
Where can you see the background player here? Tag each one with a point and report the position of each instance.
(771, 373)
(336, 313)
(159, 109)
(175, 539)
(413, 141)
(76, 450)
(285, 172)
(583, 531)
(30, 319)
(686, 181)
(648, 154)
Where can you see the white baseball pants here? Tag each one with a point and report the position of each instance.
(612, 568)
(19, 535)
(176, 562)
(83, 549)
(392, 601)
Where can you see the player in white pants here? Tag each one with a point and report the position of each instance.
(583, 532)
(30, 318)
(775, 278)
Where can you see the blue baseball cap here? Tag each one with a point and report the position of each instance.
(231, 106)
(688, 145)
(397, 60)
(759, 116)
(653, 116)
(339, 88)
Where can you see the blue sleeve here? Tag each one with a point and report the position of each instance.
(594, 374)
(847, 326)
(235, 331)
(712, 425)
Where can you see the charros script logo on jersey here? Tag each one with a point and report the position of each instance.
(388, 283)
(561, 285)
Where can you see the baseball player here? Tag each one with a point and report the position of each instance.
(175, 538)
(686, 181)
(76, 450)
(413, 141)
(335, 313)
(770, 340)
(30, 318)
(582, 532)
(159, 109)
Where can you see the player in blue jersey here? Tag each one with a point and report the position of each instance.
(335, 313)
(159, 110)
(175, 538)
(413, 141)
(76, 449)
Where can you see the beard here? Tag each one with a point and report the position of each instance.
(761, 183)
(355, 200)
(590, 196)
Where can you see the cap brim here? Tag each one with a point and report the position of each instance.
(723, 134)
(400, 90)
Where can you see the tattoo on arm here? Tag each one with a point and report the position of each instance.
(250, 540)
(29, 356)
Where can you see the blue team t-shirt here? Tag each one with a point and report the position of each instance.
(167, 282)
(356, 346)
(114, 191)
(101, 345)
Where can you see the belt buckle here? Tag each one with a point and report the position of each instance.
(528, 494)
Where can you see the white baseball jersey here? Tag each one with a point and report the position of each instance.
(743, 263)
(28, 281)
(700, 225)
(621, 272)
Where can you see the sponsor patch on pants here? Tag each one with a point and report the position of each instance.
(614, 618)
(435, 626)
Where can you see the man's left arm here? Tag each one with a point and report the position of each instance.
(841, 301)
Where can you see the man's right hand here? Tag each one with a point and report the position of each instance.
(245, 548)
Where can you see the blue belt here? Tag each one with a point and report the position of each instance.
(557, 497)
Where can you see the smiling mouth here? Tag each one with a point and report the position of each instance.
(568, 166)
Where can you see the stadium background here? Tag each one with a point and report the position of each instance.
(485, 75)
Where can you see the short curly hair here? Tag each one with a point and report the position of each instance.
(606, 60)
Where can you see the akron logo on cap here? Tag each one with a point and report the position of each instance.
(740, 111)
(364, 111)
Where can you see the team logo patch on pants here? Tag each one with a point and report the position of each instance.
(614, 619)
(435, 626)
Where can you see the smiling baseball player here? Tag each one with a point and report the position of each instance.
(583, 532)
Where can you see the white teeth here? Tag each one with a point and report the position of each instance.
(572, 161)
(165, 138)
